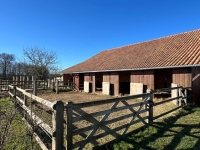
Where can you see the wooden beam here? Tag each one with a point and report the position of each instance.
(38, 99)
(69, 126)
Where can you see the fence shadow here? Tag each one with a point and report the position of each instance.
(163, 128)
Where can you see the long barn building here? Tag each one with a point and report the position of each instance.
(153, 64)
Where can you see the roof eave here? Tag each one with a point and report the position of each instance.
(164, 67)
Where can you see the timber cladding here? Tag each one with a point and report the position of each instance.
(182, 76)
(113, 78)
(67, 77)
(114, 83)
(93, 81)
(143, 76)
(90, 77)
(196, 84)
(86, 77)
(106, 77)
(76, 80)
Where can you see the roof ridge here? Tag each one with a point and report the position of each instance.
(153, 39)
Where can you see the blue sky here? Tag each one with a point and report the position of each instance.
(78, 29)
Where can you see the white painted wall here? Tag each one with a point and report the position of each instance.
(174, 93)
(86, 86)
(136, 88)
(106, 88)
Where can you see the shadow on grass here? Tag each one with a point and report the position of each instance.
(181, 131)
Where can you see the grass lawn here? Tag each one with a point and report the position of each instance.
(17, 137)
(180, 131)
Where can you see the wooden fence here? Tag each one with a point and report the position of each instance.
(36, 84)
(4, 85)
(91, 125)
(41, 84)
(62, 84)
(56, 108)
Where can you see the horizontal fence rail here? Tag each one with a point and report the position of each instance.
(55, 130)
(179, 97)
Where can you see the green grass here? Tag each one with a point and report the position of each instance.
(17, 137)
(180, 131)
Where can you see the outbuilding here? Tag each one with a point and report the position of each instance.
(151, 64)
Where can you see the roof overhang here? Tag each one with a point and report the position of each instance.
(150, 68)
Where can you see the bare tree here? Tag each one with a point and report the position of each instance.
(6, 61)
(21, 68)
(41, 61)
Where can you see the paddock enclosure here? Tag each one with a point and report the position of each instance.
(75, 120)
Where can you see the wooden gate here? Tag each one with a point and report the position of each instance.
(89, 124)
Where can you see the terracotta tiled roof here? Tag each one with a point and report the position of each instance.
(171, 51)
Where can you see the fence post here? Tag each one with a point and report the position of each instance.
(48, 83)
(25, 103)
(35, 87)
(9, 92)
(20, 82)
(7, 85)
(27, 80)
(15, 94)
(73, 83)
(179, 94)
(25, 99)
(32, 79)
(0, 85)
(44, 86)
(185, 94)
(53, 84)
(56, 86)
(16, 81)
(68, 84)
(69, 127)
(13, 80)
(24, 85)
(57, 122)
(149, 107)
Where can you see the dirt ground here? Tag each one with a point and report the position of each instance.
(75, 97)
(81, 97)
(4, 94)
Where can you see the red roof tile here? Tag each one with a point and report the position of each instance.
(171, 51)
